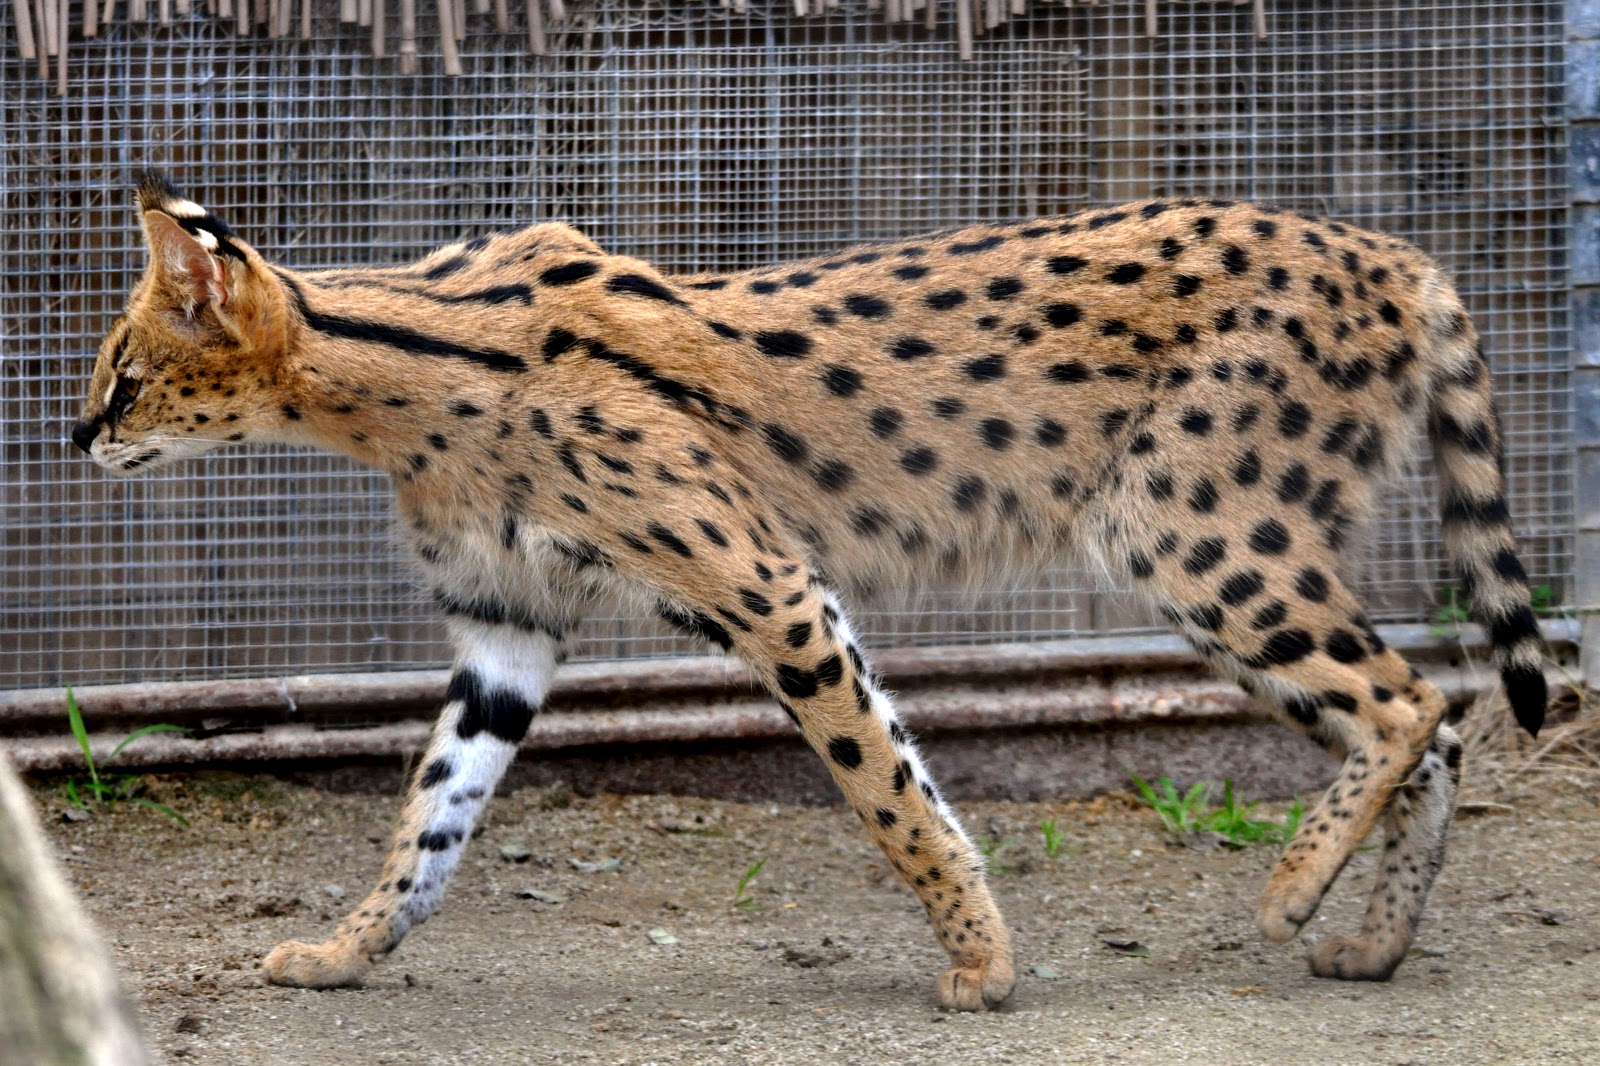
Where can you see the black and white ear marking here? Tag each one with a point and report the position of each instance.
(157, 194)
(186, 260)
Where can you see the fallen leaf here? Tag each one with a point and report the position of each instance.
(1043, 973)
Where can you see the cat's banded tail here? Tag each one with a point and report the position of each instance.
(1465, 432)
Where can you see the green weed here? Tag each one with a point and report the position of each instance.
(111, 788)
(1054, 838)
(742, 899)
(1187, 813)
(1452, 614)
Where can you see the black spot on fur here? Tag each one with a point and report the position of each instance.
(1344, 646)
(1003, 288)
(986, 368)
(1206, 555)
(1269, 537)
(795, 682)
(841, 380)
(783, 344)
(499, 712)
(846, 751)
(908, 348)
(1242, 587)
(919, 461)
(866, 306)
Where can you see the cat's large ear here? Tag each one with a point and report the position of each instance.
(193, 254)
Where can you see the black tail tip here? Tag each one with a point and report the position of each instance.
(1525, 688)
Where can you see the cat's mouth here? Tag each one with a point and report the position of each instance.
(129, 458)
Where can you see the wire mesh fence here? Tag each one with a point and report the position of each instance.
(703, 140)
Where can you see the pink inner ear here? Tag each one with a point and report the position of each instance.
(189, 263)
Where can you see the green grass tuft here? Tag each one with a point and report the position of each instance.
(1187, 813)
(111, 788)
(742, 899)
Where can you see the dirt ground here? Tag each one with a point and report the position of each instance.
(833, 962)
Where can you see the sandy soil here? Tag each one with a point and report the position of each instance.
(837, 965)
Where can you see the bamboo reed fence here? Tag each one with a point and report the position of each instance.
(44, 28)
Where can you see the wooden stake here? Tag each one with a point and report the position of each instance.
(185, 6)
(1152, 22)
(558, 11)
(502, 17)
(363, 12)
(461, 20)
(930, 14)
(378, 29)
(273, 7)
(164, 12)
(964, 28)
(1261, 19)
(91, 19)
(47, 30)
(63, 15)
(224, 8)
(25, 45)
(447, 38)
(305, 19)
(47, 41)
(536, 41)
(481, 7)
(347, 10)
(108, 12)
(408, 36)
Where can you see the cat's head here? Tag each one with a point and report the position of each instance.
(193, 361)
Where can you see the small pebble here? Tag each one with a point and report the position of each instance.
(336, 891)
(661, 936)
(516, 852)
(542, 897)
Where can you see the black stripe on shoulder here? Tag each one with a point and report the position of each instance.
(454, 265)
(671, 388)
(495, 294)
(639, 285)
(401, 337)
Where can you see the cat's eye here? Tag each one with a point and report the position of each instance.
(126, 392)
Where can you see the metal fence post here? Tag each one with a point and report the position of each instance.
(1583, 112)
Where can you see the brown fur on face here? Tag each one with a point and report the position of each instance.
(195, 360)
(1203, 398)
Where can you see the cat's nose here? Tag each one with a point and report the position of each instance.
(84, 433)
